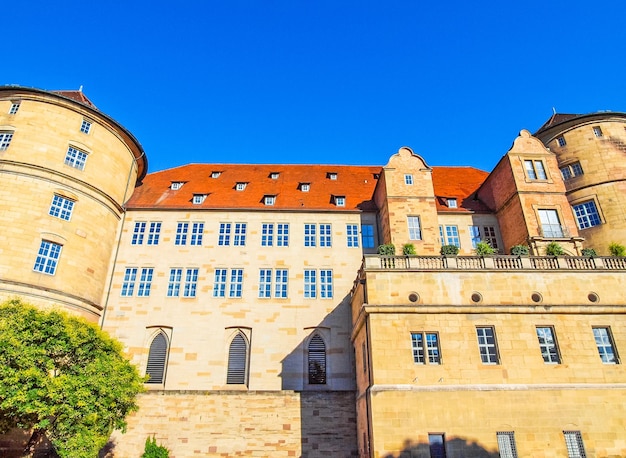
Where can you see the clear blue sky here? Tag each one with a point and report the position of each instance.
(320, 81)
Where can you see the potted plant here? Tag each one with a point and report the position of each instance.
(449, 250)
(519, 250)
(617, 249)
(484, 248)
(387, 249)
(589, 252)
(554, 249)
(408, 249)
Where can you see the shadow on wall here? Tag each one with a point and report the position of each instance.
(454, 448)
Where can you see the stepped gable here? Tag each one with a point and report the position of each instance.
(219, 181)
(460, 183)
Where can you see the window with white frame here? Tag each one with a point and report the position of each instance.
(238, 361)
(450, 235)
(415, 230)
(189, 286)
(274, 175)
(61, 207)
(561, 141)
(352, 235)
(239, 238)
(597, 131)
(310, 283)
(197, 229)
(408, 179)
(605, 345)
(145, 281)
(487, 345)
(325, 235)
(574, 444)
(234, 283)
(75, 158)
(128, 284)
(15, 106)
(506, 444)
(47, 257)
(5, 140)
(282, 234)
(181, 234)
(176, 185)
(331, 175)
(85, 126)
(138, 233)
(340, 201)
(305, 187)
(154, 232)
(326, 284)
(157, 359)
(279, 277)
(474, 232)
(550, 223)
(223, 238)
(198, 199)
(571, 170)
(191, 282)
(310, 235)
(535, 170)
(269, 200)
(173, 286)
(451, 203)
(215, 174)
(587, 214)
(267, 234)
(240, 186)
(425, 347)
(367, 236)
(317, 361)
(548, 345)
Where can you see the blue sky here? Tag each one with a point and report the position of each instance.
(325, 82)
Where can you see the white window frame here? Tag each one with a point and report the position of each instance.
(282, 234)
(561, 140)
(305, 187)
(182, 228)
(310, 234)
(198, 199)
(154, 233)
(267, 234)
(408, 179)
(605, 344)
(487, 345)
(15, 106)
(215, 174)
(425, 346)
(5, 140)
(597, 131)
(176, 185)
(273, 282)
(269, 200)
(48, 257)
(236, 283)
(139, 232)
(145, 281)
(61, 207)
(451, 203)
(197, 231)
(310, 284)
(326, 283)
(325, 235)
(239, 236)
(548, 345)
(76, 158)
(450, 235)
(85, 126)
(352, 235)
(173, 286)
(128, 282)
(414, 226)
(191, 282)
(223, 238)
(535, 169)
(240, 186)
(587, 214)
(550, 223)
(340, 201)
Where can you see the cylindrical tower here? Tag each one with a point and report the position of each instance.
(66, 170)
(591, 153)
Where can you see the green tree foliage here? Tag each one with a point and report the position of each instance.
(554, 249)
(387, 249)
(617, 249)
(408, 249)
(152, 450)
(484, 248)
(63, 377)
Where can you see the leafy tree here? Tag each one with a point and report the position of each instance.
(62, 377)
(152, 450)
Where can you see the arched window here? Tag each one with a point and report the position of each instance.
(157, 359)
(238, 361)
(317, 361)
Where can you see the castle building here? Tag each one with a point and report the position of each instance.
(254, 298)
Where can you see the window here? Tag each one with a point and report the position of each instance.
(489, 236)
(587, 215)
(305, 187)
(566, 172)
(597, 131)
(157, 359)
(535, 170)
(561, 141)
(310, 284)
(450, 235)
(215, 174)
(415, 232)
(269, 200)
(571, 170)
(317, 361)
(198, 199)
(128, 285)
(577, 169)
(550, 224)
(173, 287)
(85, 127)
(237, 373)
(240, 186)
(408, 179)
(474, 235)
(487, 345)
(606, 347)
(240, 234)
(61, 207)
(235, 285)
(267, 234)
(352, 235)
(331, 175)
(282, 234)
(219, 286)
(47, 257)
(236, 282)
(506, 444)
(138, 233)
(145, 281)
(280, 285)
(181, 234)
(548, 346)
(325, 235)
(14, 107)
(224, 235)
(451, 203)
(437, 445)
(367, 235)
(5, 140)
(176, 185)
(154, 233)
(326, 284)
(197, 229)
(574, 444)
(274, 175)
(425, 353)
(75, 158)
(340, 201)
(310, 235)
(191, 283)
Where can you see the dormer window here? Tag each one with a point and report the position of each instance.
(331, 175)
(274, 175)
(376, 176)
(451, 202)
(240, 186)
(215, 174)
(305, 187)
(176, 185)
(269, 200)
(340, 201)
(198, 198)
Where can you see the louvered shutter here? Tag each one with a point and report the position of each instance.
(317, 361)
(237, 361)
(156, 359)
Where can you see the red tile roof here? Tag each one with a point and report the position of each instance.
(460, 183)
(355, 183)
(556, 118)
(77, 96)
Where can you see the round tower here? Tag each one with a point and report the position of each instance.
(591, 153)
(66, 169)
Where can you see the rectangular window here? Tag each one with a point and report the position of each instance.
(240, 186)
(437, 445)
(191, 283)
(408, 179)
(154, 232)
(606, 347)
(561, 141)
(236, 282)
(265, 283)
(352, 235)
(128, 285)
(587, 215)
(367, 235)
(75, 158)
(85, 127)
(47, 257)
(548, 345)
(145, 281)
(198, 198)
(340, 201)
(310, 284)
(325, 235)
(61, 207)
(5, 140)
(282, 234)
(280, 283)
(487, 345)
(219, 287)
(452, 236)
(305, 187)
(267, 234)
(571, 170)
(550, 223)
(451, 203)
(224, 235)
(181, 234)
(474, 235)
(15, 106)
(326, 284)
(428, 352)
(535, 170)
(415, 231)
(240, 234)
(197, 229)
(489, 236)
(577, 169)
(566, 172)
(310, 236)
(597, 131)
(138, 233)
(173, 287)
(269, 200)
(506, 444)
(574, 444)
(176, 185)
